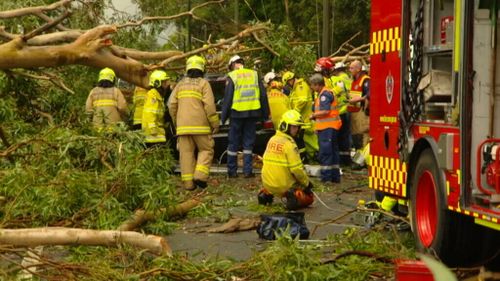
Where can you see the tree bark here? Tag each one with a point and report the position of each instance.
(32, 237)
(140, 216)
(325, 41)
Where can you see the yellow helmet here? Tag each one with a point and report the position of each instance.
(290, 117)
(287, 76)
(157, 77)
(107, 74)
(195, 62)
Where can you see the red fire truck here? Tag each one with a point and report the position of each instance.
(435, 122)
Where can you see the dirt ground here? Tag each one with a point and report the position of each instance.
(237, 198)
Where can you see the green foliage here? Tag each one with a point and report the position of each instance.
(284, 259)
(298, 58)
(90, 179)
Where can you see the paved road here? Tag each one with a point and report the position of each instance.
(339, 200)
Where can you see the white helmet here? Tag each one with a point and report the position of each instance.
(339, 65)
(269, 76)
(234, 59)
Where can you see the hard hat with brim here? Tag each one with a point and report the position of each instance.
(287, 76)
(157, 77)
(107, 74)
(234, 59)
(195, 62)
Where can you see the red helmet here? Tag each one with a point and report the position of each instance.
(324, 63)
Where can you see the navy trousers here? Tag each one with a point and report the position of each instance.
(329, 155)
(345, 139)
(242, 133)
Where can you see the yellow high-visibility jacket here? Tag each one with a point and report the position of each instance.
(279, 103)
(139, 98)
(107, 106)
(153, 124)
(192, 107)
(301, 99)
(282, 168)
(343, 96)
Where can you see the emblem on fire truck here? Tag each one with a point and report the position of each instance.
(389, 87)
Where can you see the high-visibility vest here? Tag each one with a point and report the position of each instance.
(357, 91)
(246, 95)
(342, 99)
(139, 98)
(332, 119)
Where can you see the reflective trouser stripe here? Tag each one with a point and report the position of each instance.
(203, 169)
(330, 167)
(154, 139)
(232, 153)
(245, 151)
(187, 177)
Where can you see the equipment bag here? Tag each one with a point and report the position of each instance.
(275, 225)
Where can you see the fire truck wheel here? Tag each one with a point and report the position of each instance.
(453, 237)
(427, 206)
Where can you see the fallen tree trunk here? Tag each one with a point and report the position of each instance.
(140, 216)
(32, 237)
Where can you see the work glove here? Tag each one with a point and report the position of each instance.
(308, 189)
(215, 130)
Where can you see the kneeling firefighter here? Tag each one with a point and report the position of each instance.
(283, 173)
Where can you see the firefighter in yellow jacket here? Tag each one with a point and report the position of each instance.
(283, 173)
(301, 100)
(105, 103)
(192, 108)
(153, 113)
(138, 99)
(279, 103)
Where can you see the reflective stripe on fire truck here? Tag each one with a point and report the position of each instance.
(388, 175)
(388, 40)
(456, 52)
(481, 219)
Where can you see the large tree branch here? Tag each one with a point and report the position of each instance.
(32, 10)
(189, 13)
(31, 237)
(91, 49)
(245, 33)
(46, 27)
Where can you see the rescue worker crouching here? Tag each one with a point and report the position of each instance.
(301, 100)
(192, 108)
(106, 105)
(153, 113)
(245, 103)
(283, 173)
(327, 126)
(278, 101)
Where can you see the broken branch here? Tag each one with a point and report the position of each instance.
(32, 10)
(32, 237)
(140, 216)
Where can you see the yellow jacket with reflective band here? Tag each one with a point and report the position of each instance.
(246, 94)
(282, 167)
(343, 96)
(107, 106)
(278, 104)
(192, 107)
(357, 91)
(330, 120)
(139, 98)
(153, 124)
(301, 99)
